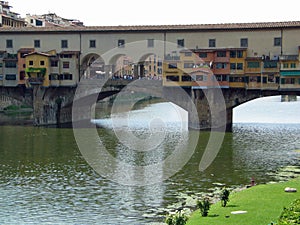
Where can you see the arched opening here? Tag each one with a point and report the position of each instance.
(271, 109)
(92, 66)
(121, 67)
(150, 66)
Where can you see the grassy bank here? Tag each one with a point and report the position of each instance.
(263, 203)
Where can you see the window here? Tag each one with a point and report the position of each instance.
(232, 66)
(221, 78)
(244, 42)
(30, 63)
(10, 64)
(92, 43)
(201, 77)
(188, 65)
(37, 43)
(172, 65)
(180, 43)
(67, 76)
(173, 78)
(53, 76)
(1, 77)
(203, 54)
(121, 43)
(253, 64)
(239, 66)
(270, 64)
(66, 56)
(186, 78)
(221, 53)
(220, 65)
(150, 43)
(1, 65)
(11, 77)
(39, 23)
(285, 65)
(277, 41)
(22, 75)
(212, 43)
(9, 43)
(64, 43)
(42, 63)
(271, 78)
(66, 65)
(188, 54)
(232, 54)
(293, 65)
(239, 54)
(54, 63)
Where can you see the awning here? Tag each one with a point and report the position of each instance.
(290, 73)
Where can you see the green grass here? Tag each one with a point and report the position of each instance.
(263, 203)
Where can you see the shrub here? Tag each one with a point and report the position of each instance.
(290, 215)
(176, 219)
(224, 197)
(204, 206)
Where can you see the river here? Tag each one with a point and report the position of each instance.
(46, 180)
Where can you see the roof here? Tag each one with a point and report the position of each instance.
(39, 53)
(159, 28)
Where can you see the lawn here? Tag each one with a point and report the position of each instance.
(263, 203)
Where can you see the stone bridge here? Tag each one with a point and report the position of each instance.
(207, 108)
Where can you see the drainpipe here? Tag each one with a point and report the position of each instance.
(165, 44)
(79, 57)
(281, 44)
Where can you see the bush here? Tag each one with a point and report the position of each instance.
(290, 215)
(176, 219)
(204, 206)
(224, 197)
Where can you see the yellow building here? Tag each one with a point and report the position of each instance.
(37, 68)
(238, 66)
(289, 72)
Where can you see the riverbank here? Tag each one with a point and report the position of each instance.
(260, 204)
(21, 117)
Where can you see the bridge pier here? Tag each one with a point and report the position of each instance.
(48, 105)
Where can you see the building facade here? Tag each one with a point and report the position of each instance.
(246, 55)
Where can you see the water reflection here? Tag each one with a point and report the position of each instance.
(44, 178)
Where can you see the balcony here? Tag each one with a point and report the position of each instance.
(289, 57)
(36, 80)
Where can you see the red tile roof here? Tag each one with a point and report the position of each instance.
(159, 28)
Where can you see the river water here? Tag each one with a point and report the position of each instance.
(44, 178)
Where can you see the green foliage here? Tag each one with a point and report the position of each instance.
(16, 107)
(224, 197)
(176, 219)
(204, 206)
(291, 214)
(263, 203)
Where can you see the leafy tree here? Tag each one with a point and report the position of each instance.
(176, 219)
(204, 206)
(224, 197)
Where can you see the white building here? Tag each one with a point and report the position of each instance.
(9, 18)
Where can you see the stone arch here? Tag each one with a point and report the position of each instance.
(149, 67)
(91, 65)
(121, 66)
